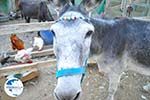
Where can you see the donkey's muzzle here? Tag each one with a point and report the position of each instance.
(67, 95)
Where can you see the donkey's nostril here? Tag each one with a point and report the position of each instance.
(77, 96)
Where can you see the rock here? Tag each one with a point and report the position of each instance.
(101, 87)
(143, 97)
(147, 87)
(32, 83)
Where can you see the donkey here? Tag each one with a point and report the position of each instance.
(113, 43)
(35, 9)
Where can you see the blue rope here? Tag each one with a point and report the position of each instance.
(70, 71)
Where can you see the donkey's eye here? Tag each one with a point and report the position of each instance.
(53, 33)
(88, 34)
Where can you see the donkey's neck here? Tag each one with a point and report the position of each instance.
(104, 38)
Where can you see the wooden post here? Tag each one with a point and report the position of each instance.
(123, 7)
(17, 4)
(148, 8)
(107, 4)
(24, 27)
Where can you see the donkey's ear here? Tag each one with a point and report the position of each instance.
(89, 5)
(59, 5)
(71, 2)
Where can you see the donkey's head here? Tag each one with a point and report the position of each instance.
(72, 38)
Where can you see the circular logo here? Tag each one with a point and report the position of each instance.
(13, 87)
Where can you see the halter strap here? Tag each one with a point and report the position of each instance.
(70, 71)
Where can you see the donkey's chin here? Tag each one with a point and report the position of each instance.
(75, 97)
(68, 88)
(67, 94)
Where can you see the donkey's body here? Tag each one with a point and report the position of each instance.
(115, 36)
(118, 42)
(35, 9)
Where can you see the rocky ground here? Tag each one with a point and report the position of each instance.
(94, 86)
(132, 86)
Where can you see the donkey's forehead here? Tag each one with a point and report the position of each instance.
(71, 14)
(72, 26)
(66, 28)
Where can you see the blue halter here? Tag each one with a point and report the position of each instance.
(72, 71)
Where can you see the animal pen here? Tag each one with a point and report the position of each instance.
(39, 76)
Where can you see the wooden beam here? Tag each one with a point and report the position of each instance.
(42, 53)
(24, 75)
(30, 74)
(45, 47)
(35, 54)
(52, 62)
(18, 68)
(24, 27)
(13, 68)
(145, 18)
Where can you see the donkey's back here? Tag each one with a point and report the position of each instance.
(113, 37)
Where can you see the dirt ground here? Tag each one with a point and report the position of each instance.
(95, 85)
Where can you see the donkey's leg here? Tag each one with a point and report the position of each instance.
(113, 68)
(28, 20)
(114, 80)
